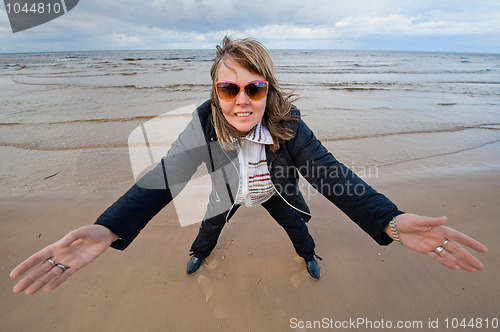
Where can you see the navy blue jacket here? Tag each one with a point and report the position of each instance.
(302, 154)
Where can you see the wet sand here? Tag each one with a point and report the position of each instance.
(253, 281)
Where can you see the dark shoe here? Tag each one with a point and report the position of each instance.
(313, 269)
(193, 265)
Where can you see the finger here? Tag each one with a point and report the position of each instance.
(44, 280)
(457, 261)
(62, 278)
(457, 250)
(72, 236)
(33, 276)
(46, 252)
(429, 221)
(32, 261)
(452, 234)
(441, 260)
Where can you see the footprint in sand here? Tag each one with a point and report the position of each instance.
(295, 280)
(202, 280)
(298, 259)
(217, 311)
(212, 263)
(207, 290)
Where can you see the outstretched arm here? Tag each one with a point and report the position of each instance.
(57, 262)
(428, 235)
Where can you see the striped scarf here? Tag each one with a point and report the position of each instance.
(255, 182)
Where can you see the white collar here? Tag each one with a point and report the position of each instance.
(260, 134)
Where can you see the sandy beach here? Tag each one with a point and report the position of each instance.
(253, 281)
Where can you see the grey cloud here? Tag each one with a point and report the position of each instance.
(127, 24)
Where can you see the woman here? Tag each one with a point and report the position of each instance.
(253, 143)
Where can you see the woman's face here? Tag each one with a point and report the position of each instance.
(242, 113)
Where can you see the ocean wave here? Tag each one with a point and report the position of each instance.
(485, 126)
(170, 87)
(171, 58)
(369, 86)
(371, 65)
(176, 87)
(137, 59)
(102, 120)
(469, 82)
(336, 71)
(15, 66)
(472, 148)
(44, 147)
(172, 68)
(59, 146)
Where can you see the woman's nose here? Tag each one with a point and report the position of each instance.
(242, 98)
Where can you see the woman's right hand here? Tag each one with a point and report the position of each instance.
(75, 250)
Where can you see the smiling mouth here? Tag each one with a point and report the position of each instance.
(243, 114)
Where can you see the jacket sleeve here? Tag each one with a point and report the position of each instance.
(151, 193)
(371, 210)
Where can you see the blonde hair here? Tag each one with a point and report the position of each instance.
(253, 56)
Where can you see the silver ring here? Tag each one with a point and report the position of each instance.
(444, 244)
(439, 250)
(61, 266)
(51, 262)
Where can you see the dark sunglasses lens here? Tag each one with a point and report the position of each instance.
(227, 91)
(256, 91)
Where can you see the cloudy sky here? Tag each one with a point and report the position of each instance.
(420, 25)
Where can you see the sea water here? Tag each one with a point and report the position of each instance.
(71, 112)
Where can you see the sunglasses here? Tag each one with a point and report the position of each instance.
(228, 91)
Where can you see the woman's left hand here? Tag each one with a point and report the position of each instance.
(428, 235)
